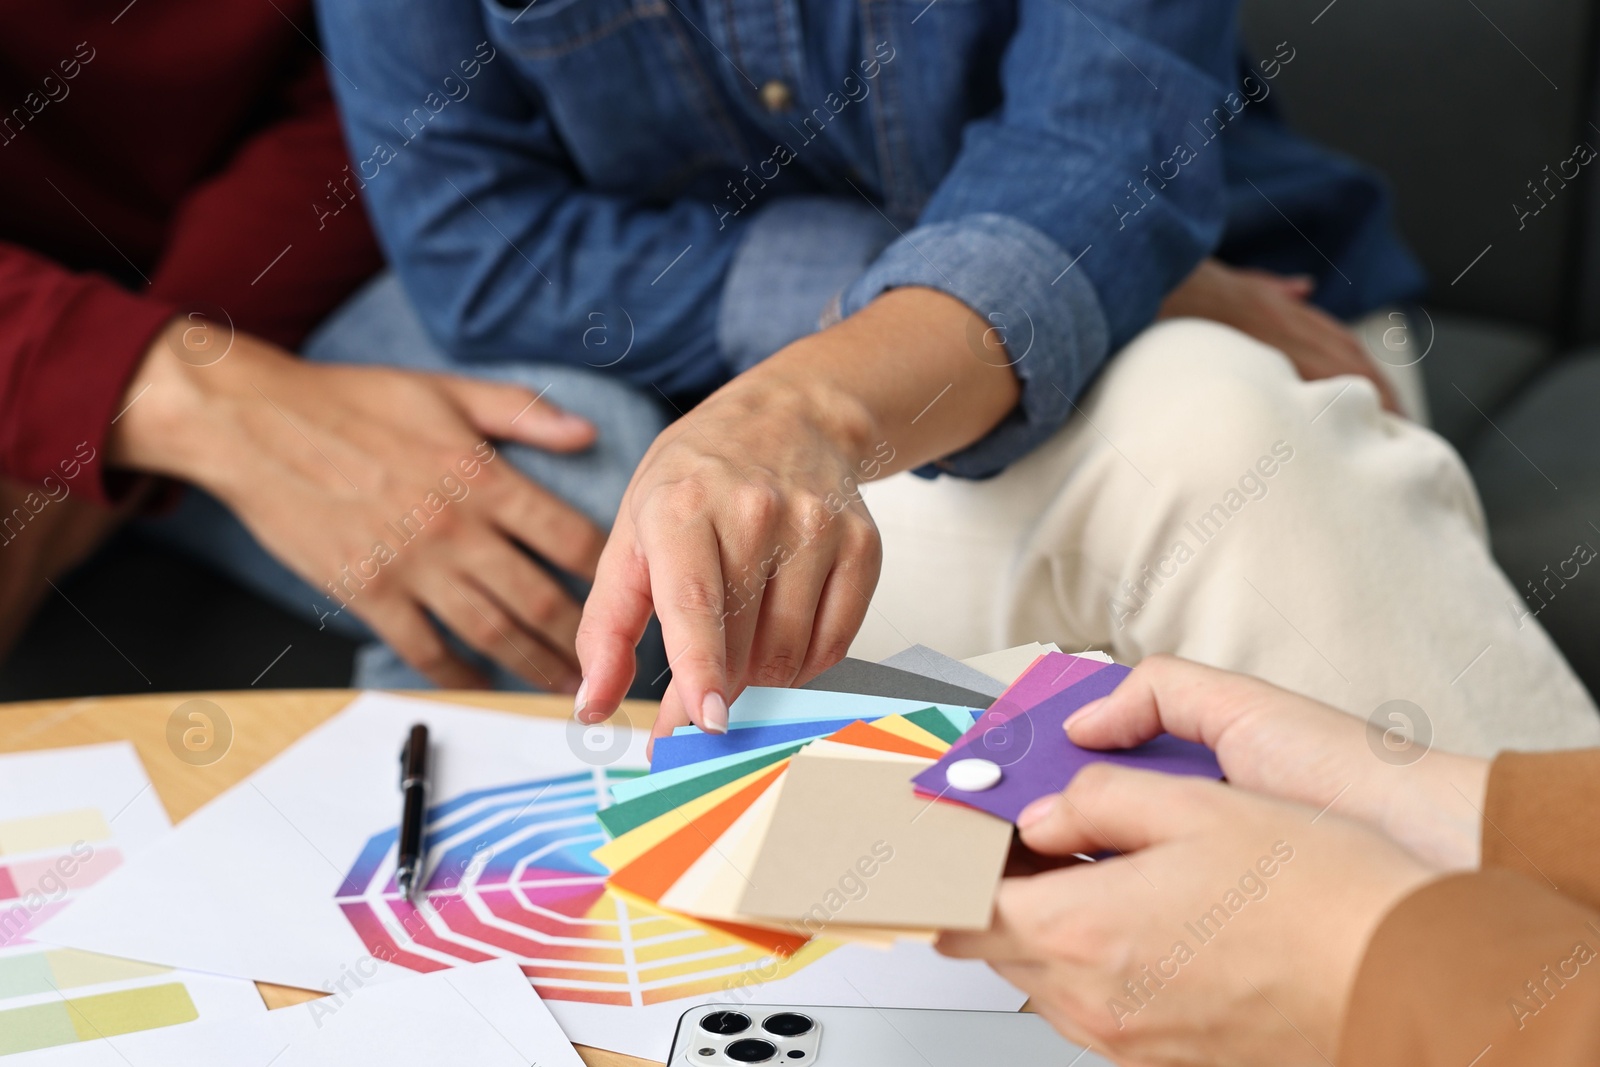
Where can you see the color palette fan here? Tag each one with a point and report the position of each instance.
(799, 827)
(511, 878)
(829, 815)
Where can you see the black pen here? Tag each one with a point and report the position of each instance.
(414, 814)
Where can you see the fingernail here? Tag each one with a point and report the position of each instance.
(714, 714)
(579, 699)
(1083, 714)
(1037, 810)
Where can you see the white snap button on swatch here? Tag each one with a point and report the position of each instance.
(972, 775)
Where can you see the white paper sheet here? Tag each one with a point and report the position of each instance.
(485, 1015)
(247, 886)
(68, 819)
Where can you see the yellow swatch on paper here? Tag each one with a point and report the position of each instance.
(903, 727)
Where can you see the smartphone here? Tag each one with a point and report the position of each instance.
(719, 1035)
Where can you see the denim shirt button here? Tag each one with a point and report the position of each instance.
(776, 96)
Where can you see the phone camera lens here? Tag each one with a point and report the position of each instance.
(725, 1022)
(787, 1024)
(751, 1050)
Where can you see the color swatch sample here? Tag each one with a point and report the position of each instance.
(781, 856)
(510, 876)
(1009, 664)
(920, 659)
(67, 817)
(57, 831)
(1050, 674)
(880, 679)
(63, 1022)
(850, 842)
(485, 1015)
(66, 968)
(1036, 758)
(694, 747)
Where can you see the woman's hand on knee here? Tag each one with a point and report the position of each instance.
(1272, 741)
(1276, 310)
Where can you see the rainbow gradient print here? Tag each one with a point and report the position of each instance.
(510, 876)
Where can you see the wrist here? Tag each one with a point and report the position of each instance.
(179, 415)
(1438, 811)
(1462, 784)
(793, 384)
(1202, 294)
(872, 378)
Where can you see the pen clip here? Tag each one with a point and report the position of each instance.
(414, 755)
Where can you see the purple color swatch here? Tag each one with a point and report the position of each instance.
(1051, 673)
(1036, 759)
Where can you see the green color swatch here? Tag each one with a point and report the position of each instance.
(89, 1018)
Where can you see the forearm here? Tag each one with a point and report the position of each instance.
(915, 370)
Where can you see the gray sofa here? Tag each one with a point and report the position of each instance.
(1462, 105)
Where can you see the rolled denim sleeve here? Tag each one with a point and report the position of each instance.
(1029, 290)
(1054, 223)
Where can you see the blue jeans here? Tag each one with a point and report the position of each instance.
(377, 327)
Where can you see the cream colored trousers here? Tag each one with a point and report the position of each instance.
(1207, 502)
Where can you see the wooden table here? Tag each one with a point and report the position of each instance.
(264, 723)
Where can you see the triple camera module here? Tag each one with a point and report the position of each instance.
(771, 1039)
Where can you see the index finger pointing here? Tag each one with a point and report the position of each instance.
(614, 618)
(686, 584)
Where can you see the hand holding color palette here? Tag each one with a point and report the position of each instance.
(1027, 740)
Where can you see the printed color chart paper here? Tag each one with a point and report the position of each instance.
(68, 818)
(287, 878)
(484, 1015)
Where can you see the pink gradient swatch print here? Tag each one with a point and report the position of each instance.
(32, 891)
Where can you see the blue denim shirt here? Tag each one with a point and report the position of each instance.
(672, 190)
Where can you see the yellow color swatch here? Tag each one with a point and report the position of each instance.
(58, 830)
(124, 1012)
